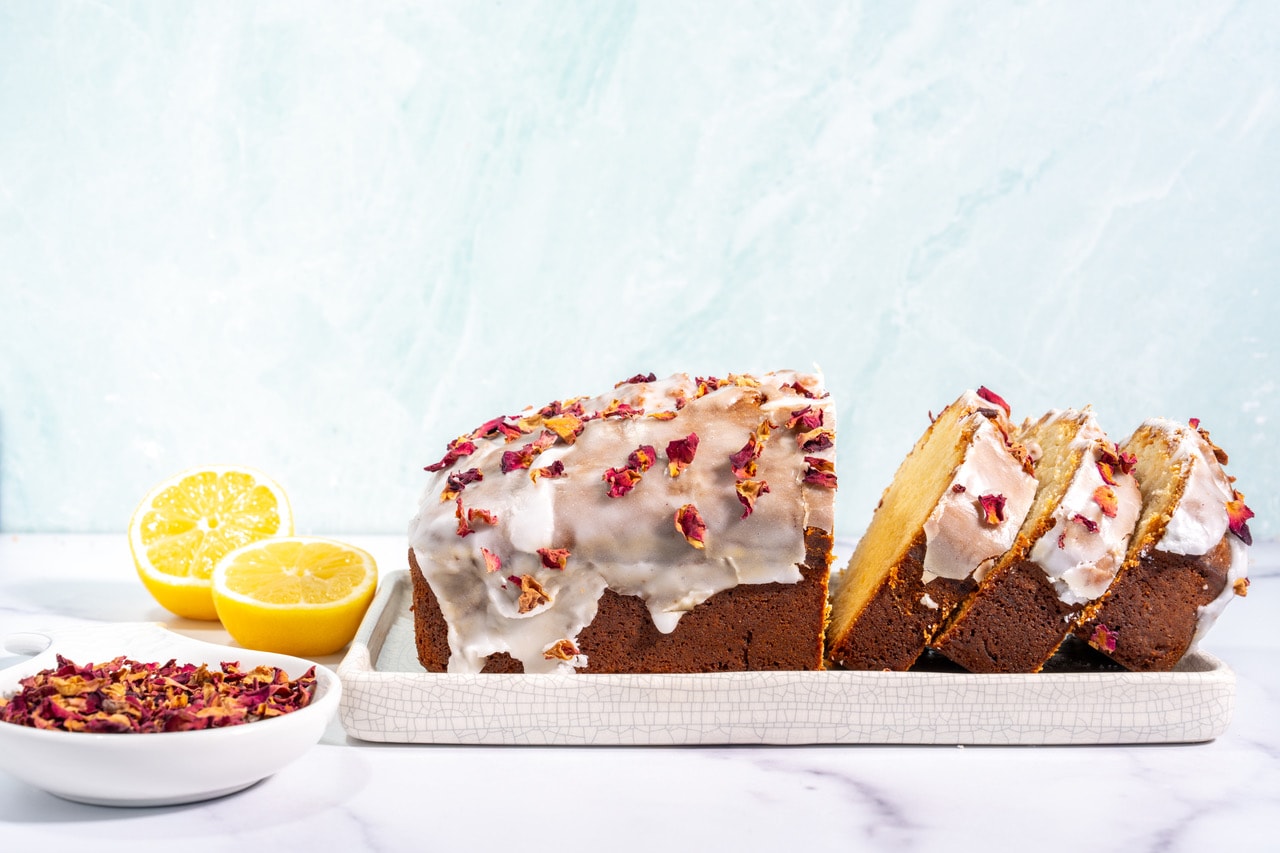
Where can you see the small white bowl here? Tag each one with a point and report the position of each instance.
(160, 768)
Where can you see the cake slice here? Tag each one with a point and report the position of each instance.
(1187, 558)
(1070, 547)
(675, 525)
(956, 502)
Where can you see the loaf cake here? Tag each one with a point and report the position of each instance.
(675, 525)
(1068, 551)
(955, 504)
(1187, 557)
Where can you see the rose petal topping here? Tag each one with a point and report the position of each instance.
(552, 471)
(561, 650)
(1241, 587)
(992, 397)
(567, 426)
(499, 426)
(457, 481)
(680, 453)
(1105, 497)
(621, 480)
(476, 514)
(637, 379)
(816, 440)
(1107, 472)
(464, 529)
(492, 562)
(1195, 423)
(807, 419)
(691, 526)
(618, 409)
(706, 384)
(992, 508)
(801, 390)
(642, 458)
(1104, 639)
(1088, 523)
(554, 558)
(662, 416)
(819, 472)
(457, 449)
(748, 491)
(743, 462)
(532, 595)
(958, 489)
(1237, 516)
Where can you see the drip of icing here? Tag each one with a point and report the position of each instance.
(1080, 562)
(958, 540)
(630, 543)
(1207, 615)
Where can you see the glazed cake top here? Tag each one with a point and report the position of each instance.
(671, 490)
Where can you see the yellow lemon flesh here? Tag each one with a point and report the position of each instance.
(294, 595)
(186, 524)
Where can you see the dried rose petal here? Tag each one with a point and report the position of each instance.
(816, 440)
(618, 409)
(662, 416)
(499, 426)
(1195, 423)
(464, 529)
(492, 562)
(1088, 523)
(748, 491)
(691, 526)
(477, 514)
(513, 460)
(1241, 587)
(706, 384)
(680, 453)
(642, 458)
(457, 481)
(621, 480)
(801, 390)
(561, 650)
(992, 397)
(532, 595)
(1107, 472)
(1105, 497)
(819, 472)
(457, 449)
(637, 379)
(124, 695)
(992, 508)
(958, 489)
(1237, 516)
(743, 462)
(552, 471)
(1104, 639)
(807, 419)
(568, 426)
(554, 558)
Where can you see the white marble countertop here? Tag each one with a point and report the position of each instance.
(350, 795)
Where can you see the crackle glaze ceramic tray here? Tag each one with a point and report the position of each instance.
(388, 696)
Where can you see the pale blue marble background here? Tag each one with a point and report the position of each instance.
(324, 239)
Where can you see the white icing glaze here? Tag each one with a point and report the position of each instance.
(1200, 518)
(958, 541)
(629, 544)
(1083, 563)
(1207, 615)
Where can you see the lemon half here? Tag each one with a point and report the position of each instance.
(187, 523)
(295, 595)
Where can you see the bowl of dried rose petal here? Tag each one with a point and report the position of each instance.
(135, 715)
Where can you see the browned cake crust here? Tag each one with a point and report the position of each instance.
(1150, 611)
(773, 626)
(891, 632)
(1013, 623)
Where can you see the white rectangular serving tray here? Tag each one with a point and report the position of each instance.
(388, 696)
